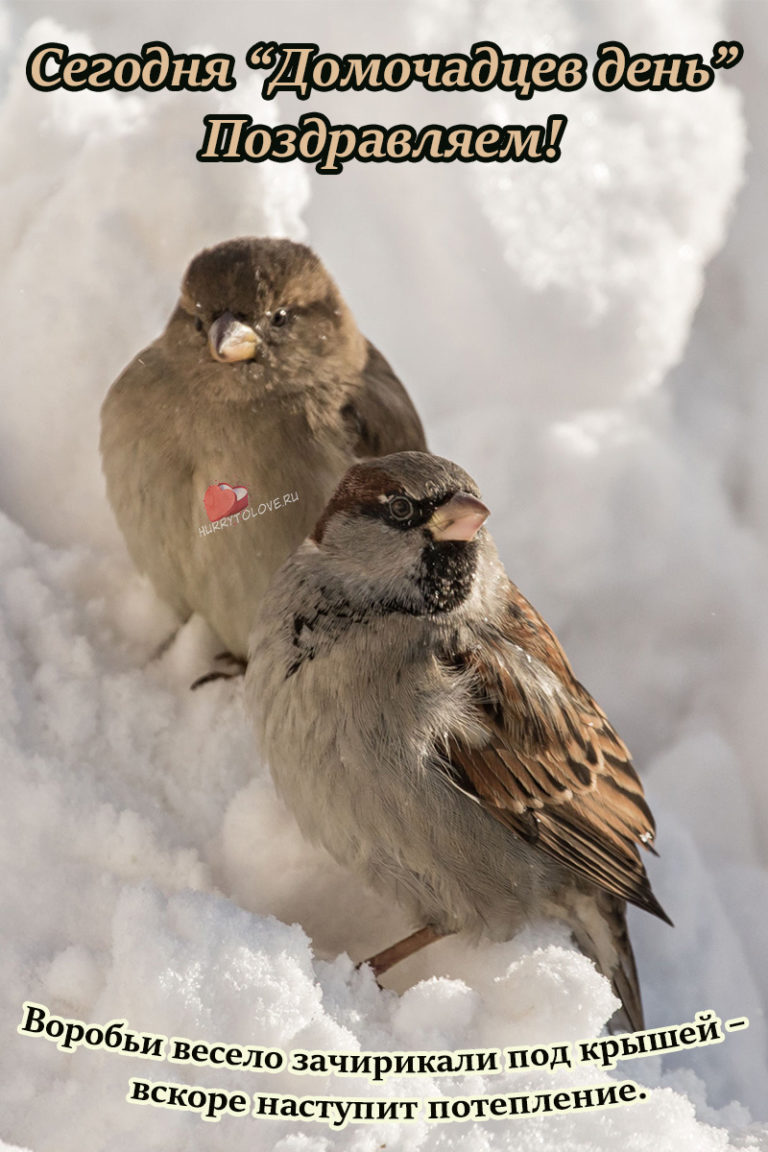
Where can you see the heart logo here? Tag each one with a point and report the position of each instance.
(223, 500)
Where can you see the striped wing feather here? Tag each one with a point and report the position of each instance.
(552, 769)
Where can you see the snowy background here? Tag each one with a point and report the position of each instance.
(587, 339)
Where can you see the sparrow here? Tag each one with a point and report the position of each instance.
(423, 724)
(261, 391)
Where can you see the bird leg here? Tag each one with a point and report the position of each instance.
(163, 647)
(238, 665)
(403, 949)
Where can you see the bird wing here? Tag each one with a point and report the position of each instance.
(380, 414)
(547, 764)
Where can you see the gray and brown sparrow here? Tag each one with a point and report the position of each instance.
(261, 391)
(423, 724)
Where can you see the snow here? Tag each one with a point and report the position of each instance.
(588, 340)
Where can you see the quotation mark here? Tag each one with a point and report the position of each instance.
(727, 54)
(262, 55)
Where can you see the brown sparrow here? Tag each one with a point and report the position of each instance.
(222, 441)
(423, 724)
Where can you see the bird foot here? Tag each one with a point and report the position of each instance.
(402, 950)
(237, 665)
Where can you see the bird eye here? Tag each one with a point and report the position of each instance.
(401, 508)
(280, 317)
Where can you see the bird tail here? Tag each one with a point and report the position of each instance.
(601, 934)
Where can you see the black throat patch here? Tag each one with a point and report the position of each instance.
(446, 573)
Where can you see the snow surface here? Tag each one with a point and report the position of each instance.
(588, 339)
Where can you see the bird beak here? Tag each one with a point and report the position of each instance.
(229, 339)
(459, 518)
